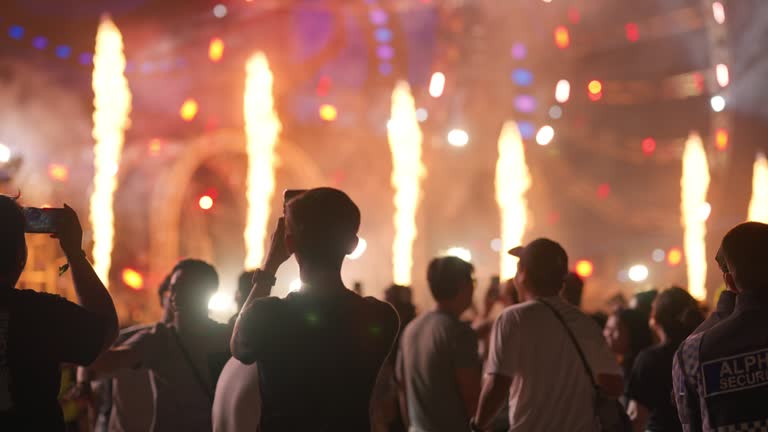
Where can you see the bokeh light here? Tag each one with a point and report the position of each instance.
(674, 257)
(717, 103)
(437, 84)
(458, 138)
(328, 112)
(58, 172)
(638, 273)
(216, 49)
(545, 135)
(133, 279)
(584, 268)
(205, 202)
(562, 91)
(188, 110)
(562, 37)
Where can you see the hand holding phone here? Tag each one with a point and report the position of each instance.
(61, 223)
(41, 220)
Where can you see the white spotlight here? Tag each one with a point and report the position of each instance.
(718, 103)
(545, 135)
(460, 252)
(704, 211)
(562, 91)
(458, 138)
(638, 273)
(5, 153)
(220, 11)
(295, 286)
(221, 302)
(362, 245)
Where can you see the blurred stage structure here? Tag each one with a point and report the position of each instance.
(641, 77)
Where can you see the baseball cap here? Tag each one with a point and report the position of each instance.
(543, 257)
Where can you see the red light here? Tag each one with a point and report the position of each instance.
(323, 85)
(58, 172)
(632, 32)
(573, 15)
(674, 257)
(584, 268)
(188, 110)
(721, 139)
(562, 37)
(216, 49)
(603, 190)
(205, 202)
(649, 145)
(133, 279)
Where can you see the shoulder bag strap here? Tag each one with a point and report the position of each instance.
(188, 358)
(573, 340)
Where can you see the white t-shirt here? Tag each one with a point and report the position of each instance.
(237, 405)
(550, 389)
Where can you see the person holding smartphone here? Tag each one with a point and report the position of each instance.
(318, 350)
(40, 331)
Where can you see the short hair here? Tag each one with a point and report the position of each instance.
(164, 288)
(573, 287)
(13, 245)
(323, 222)
(745, 248)
(203, 274)
(446, 275)
(677, 312)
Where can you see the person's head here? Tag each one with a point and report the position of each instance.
(541, 269)
(400, 297)
(643, 301)
(675, 314)
(627, 333)
(509, 295)
(13, 246)
(452, 283)
(573, 287)
(745, 253)
(244, 285)
(321, 227)
(164, 295)
(193, 282)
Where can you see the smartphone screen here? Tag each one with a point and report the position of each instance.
(41, 220)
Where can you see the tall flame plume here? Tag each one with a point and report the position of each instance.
(758, 205)
(512, 182)
(695, 184)
(405, 139)
(112, 103)
(262, 128)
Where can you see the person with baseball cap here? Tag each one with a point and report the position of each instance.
(720, 375)
(534, 362)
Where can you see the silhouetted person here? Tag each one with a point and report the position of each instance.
(40, 331)
(627, 333)
(675, 314)
(573, 289)
(244, 285)
(237, 402)
(726, 302)
(534, 365)
(319, 350)
(721, 374)
(184, 357)
(439, 368)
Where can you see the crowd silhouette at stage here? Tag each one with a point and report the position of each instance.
(327, 359)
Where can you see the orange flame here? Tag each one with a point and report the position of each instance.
(695, 184)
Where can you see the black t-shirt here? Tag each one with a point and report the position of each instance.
(318, 357)
(650, 384)
(38, 332)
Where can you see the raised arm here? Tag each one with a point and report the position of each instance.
(91, 292)
(255, 327)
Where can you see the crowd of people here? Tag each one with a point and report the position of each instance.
(327, 359)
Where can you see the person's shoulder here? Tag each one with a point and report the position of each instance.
(28, 296)
(648, 357)
(380, 311)
(520, 311)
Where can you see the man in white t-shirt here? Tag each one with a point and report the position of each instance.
(532, 361)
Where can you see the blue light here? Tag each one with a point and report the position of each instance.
(16, 32)
(527, 130)
(522, 77)
(85, 58)
(383, 35)
(525, 103)
(385, 68)
(63, 51)
(40, 42)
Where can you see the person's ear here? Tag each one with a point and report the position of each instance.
(352, 245)
(730, 283)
